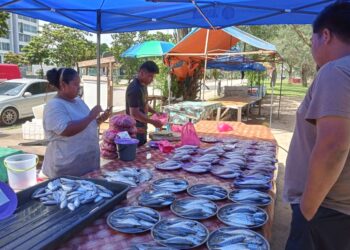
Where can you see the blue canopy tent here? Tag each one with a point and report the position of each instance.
(111, 16)
(237, 63)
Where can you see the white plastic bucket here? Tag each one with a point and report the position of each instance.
(21, 170)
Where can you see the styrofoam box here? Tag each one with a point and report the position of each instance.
(38, 111)
(33, 130)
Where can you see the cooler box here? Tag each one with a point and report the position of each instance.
(4, 152)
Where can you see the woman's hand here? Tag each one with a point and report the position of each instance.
(106, 114)
(95, 111)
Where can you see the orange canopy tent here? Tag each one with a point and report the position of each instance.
(202, 45)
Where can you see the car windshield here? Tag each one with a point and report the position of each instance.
(11, 88)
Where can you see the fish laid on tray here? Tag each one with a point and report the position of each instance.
(133, 219)
(210, 158)
(197, 167)
(227, 171)
(150, 246)
(217, 150)
(194, 208)
(156, 198)
(180, 233)
(231, 238)
(70, 193)
(208, 191)
(250, 196)
(174, 185)
(242, 216)
(263, 184)
(169, 165)
(209, 139)
(129, 175)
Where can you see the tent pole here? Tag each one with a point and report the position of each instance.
(279, 102)
(98, 75)
(169, 88)
(271, 102)
(206, 61)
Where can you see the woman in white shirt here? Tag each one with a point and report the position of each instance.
(71, 128)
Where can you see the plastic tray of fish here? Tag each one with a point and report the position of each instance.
(229, 140)
(169, 165)
(233, 238)
(150, 246)
(194, 208)
(174, 185)
(133, 219)
(242, 216)
(252, 183)
(180, 233)
(208, 191)
(250, 196)
(35, 225)
(156, 198)
(197, 167)
(132, 176)
(226, 171)
(209, 139)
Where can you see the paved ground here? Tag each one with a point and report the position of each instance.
(282, 129)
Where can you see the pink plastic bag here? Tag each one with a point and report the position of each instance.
(176, 128)
(163, 117)
(189, 135)
(224, 127)
(165, 146)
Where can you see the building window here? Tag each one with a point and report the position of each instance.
(24, 38)
(27, 28)
(29, 19)
(4, 46)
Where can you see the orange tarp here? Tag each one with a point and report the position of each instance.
(184, 65)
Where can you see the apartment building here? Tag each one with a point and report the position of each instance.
(21, 31)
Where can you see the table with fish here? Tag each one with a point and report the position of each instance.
(214, 196)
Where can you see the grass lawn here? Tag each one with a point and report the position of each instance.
(287, 89)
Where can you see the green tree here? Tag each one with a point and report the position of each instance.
(37, 51)
(14, 58)
(180, 33)
(121, 42)
(67, 46)
(3, 23)
(294, 45)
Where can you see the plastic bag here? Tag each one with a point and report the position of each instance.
(162, 117)
(189, 135)
(224, 127)
(165, 146)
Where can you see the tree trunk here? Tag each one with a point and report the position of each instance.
(304, 75)
(290, 74)
(181, 33)
(273, 78)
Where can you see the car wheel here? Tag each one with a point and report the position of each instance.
(9, 116)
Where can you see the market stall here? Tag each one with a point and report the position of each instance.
(183, 112)
(237, 103)
(99, 235)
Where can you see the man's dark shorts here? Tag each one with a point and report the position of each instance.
(328, 230)
(142, 138)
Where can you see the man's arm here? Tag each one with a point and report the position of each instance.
(135, 112)
(326, 163)
(150, 109)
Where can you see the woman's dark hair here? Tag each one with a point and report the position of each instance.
(150, 67)
(54, 76)
(336, 18)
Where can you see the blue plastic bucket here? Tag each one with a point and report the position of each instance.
(126, 148)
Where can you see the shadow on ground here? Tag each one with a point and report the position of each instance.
(282, 217)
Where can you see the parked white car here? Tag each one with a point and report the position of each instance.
(18, 96)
